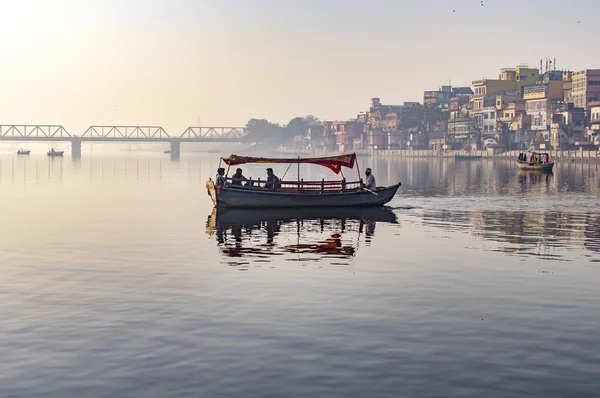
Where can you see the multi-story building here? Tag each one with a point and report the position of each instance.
(341, 135)
(586, 87)
(462, 133)
(383, 125)
(540, 113)
(441, 96)
(510, 79)
(594, 112)
(494, 106)
(539, 99)
(568, 91)
(594, 122)
(568, 126)
(444, 95)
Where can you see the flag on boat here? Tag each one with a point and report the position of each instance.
(333, 163)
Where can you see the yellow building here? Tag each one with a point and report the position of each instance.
(526, 76)
(552, 90)
(485, 87)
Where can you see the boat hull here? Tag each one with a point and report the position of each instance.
(23, 152)
(53, 154)
(265, 199)
(535, 167)
(466, 157)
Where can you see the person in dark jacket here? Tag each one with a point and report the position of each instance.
(238, 178)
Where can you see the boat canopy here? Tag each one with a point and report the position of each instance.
(334, 163)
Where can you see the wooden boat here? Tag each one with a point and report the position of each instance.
(466, 157)
(23, 152)
(56, 153)
(535, 161)
(300, 193)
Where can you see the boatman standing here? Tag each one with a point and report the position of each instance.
(220, 178)
(371, 184)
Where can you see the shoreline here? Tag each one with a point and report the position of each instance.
(573, 155)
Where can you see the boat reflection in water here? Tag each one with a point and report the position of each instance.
(259, 236)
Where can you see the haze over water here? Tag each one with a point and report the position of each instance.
(118, 279)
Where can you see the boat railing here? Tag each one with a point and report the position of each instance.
(299, 186)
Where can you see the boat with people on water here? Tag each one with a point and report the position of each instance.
(535, 161)
(53, 153)
(23, 152)
(233, 192)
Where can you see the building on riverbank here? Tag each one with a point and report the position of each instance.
(522, 108)
(586, 87)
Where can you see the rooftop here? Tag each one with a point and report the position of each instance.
(462, 90)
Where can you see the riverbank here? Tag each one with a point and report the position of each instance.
(574, 155)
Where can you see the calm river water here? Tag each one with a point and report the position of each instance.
(118, 280)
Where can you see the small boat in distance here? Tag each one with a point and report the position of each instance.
(232, 193)
(167, 151)
(535, 161)
(466, 157)
(53, 153)
(23, 152)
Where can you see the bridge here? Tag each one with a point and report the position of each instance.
(49, 132)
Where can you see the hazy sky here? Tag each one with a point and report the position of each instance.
(80, 62)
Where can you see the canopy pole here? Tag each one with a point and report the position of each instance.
(357, 168)
(228, 167)
(298, 172)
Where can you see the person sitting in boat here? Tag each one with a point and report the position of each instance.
(371, 184)
(52, 150)
(220, 177)
(272, 180)
(238, 178)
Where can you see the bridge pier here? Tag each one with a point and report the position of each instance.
(175, 149)
(76, 147)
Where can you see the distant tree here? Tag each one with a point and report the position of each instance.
(263, 131)
(311, 120)
(421, 118)
(296, 126)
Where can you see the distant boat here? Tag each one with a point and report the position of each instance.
(23, 152)
(467, 157)
(167, 151)
(56, 153)
(535, 161)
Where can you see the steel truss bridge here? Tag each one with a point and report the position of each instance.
(49, 132)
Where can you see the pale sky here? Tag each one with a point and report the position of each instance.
(160, 62)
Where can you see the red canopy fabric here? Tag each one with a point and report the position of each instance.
(333, 163)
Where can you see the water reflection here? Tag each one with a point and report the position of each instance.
(256, 236)
(547, 235)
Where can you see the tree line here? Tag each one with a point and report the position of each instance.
(412, 119)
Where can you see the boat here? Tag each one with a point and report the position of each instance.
(466, 157)
(299, 193)
(55, 153)
(23, 152)
(167, 151)
(535, 161)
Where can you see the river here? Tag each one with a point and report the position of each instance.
(118, 279)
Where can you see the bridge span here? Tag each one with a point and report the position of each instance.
(49, 132)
